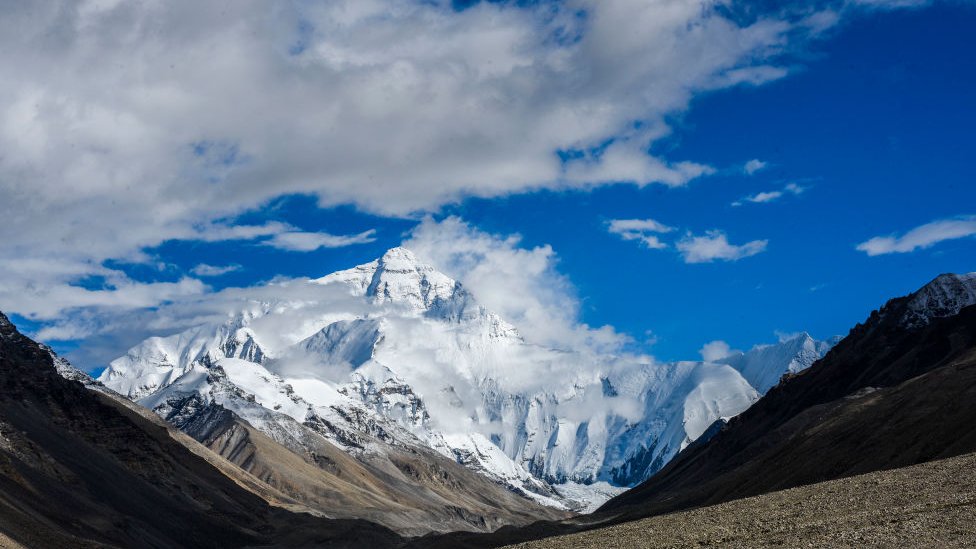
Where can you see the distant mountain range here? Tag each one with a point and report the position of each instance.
(394, 357)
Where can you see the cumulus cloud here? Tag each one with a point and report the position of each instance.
(770, 196)
(753, 166)
(714, 246)
(128, 124)
(641, 230)
(214, 270)
(520, 284)
(298, 241)
(124, 125)
(921, 237)
(715, 350)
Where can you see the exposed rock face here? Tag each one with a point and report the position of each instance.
(945, 296)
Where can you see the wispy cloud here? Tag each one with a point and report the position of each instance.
(220, 232)
(213, 270)
(889, 4)
(753, 166)
(298, 241)
(921, 237)
(714, 246)
(642, 230)
(770, 196)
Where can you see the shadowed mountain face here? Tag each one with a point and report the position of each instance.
(897, 391)
(79, 468)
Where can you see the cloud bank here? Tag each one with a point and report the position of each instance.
(522, 285)
(124, 125)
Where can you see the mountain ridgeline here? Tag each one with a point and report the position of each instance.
(384, 406)
(897, 391)
(393, 372)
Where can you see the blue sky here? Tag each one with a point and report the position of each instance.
(861, 129)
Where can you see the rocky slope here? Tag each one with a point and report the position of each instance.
(928, 505)
(82, 468)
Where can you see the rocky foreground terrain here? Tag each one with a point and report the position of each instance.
(927, 505)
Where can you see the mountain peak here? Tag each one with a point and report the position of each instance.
(399, 277)
(398, 253)
(763, 365)
(798, 336)
(7, 328)
(945, 295)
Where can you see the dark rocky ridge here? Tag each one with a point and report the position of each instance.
(887, 396)
(80, 469)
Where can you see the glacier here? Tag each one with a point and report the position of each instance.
(394, 352)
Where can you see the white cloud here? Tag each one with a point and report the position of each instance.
(753, 166)
(921, 237)
(214, 270)
(108, 333)
(714, 245)
(520, 284)
(132, 123)
(48, 302)
(889, 4)
(715, 350)
(640, 229)
(298, 241)
(124, 125)
(219, 232)
(770, 196)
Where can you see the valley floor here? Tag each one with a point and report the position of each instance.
(927, 505)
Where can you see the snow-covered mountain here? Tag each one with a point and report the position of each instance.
(763, 365)
(394, 353)
(944, 296)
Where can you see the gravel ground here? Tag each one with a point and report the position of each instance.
(927, 505)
